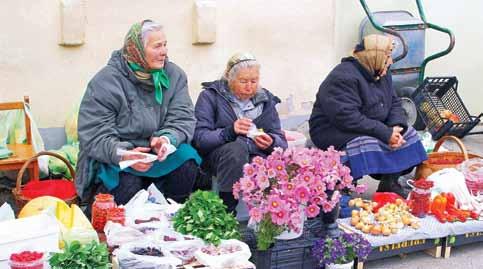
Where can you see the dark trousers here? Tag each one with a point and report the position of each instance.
(226, 164)
(176, 185)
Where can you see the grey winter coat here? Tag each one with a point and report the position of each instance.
(120, 111)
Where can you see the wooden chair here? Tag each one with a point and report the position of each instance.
(21, 152)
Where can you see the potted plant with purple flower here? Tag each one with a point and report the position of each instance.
(340, 252)
(283, 188)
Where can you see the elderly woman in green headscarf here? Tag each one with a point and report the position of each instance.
(139, 102)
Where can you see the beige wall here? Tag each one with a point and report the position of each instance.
(464, 18)
(293, 40)
(297, 42)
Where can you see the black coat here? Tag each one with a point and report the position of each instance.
(351, 103)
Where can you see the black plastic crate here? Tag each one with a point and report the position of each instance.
(433, 97)
(287, 254)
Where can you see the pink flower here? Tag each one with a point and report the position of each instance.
(327, 206)
(259, 161)
(307, 177)
(280, 217)
(302, 194)
(312, 211)
(288, 187)
(316, 200)
(271, 173)
(262, 181)
(248, 170)
(361, 188)
(236, 190)
(295, 221)
(255, 214)
(275, 203)
(247, 184)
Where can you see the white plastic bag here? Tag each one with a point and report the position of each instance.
(6, 212)
(128, 259)
(451, 180)
(224, 258)
(184, 250)
(118, 235)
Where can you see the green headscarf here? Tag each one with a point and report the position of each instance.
(133, 52)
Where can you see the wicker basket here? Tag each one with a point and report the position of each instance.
(453, 158)
(20, 199)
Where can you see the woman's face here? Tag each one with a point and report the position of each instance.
(245, 84)
(155, 50)
(388, 62)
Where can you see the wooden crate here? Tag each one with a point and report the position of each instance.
(459, 240)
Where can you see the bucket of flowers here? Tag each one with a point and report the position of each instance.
(340, 252)
(287, 185)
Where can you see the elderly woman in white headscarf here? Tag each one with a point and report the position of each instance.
(236, 120)
(357, 110)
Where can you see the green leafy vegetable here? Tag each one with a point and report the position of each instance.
(204, 215)
(88, 256)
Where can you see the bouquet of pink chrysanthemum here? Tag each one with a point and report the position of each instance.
(288, 184)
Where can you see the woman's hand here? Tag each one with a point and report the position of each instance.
(397, 139)
(140, 166)
(157, 146)
(241, 126)
(263, 141)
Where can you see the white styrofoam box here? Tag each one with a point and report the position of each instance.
(37, 233)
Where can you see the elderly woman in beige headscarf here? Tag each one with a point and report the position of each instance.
(236, 120)
(357, 110)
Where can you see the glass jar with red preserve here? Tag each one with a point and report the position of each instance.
(420, 197)
(117, 215)
(103, 202)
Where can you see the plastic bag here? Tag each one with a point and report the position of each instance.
(451, 180)
(295, 139)
(71, 125)
(83, 235)
(129, 256)
(58, 167)
(185, 250)
(230, 253)
(473, 171)
(6, 212)
(118, 235)
(12, 131)
(166, 236)
(382, 198)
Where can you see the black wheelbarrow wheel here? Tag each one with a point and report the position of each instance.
(410, 108)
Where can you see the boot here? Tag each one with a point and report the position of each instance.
(389, 183)
(229, 201)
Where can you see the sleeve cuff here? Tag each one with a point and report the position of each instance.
(229, 133)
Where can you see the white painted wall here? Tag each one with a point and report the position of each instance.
(293, 40)
(297, 42)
